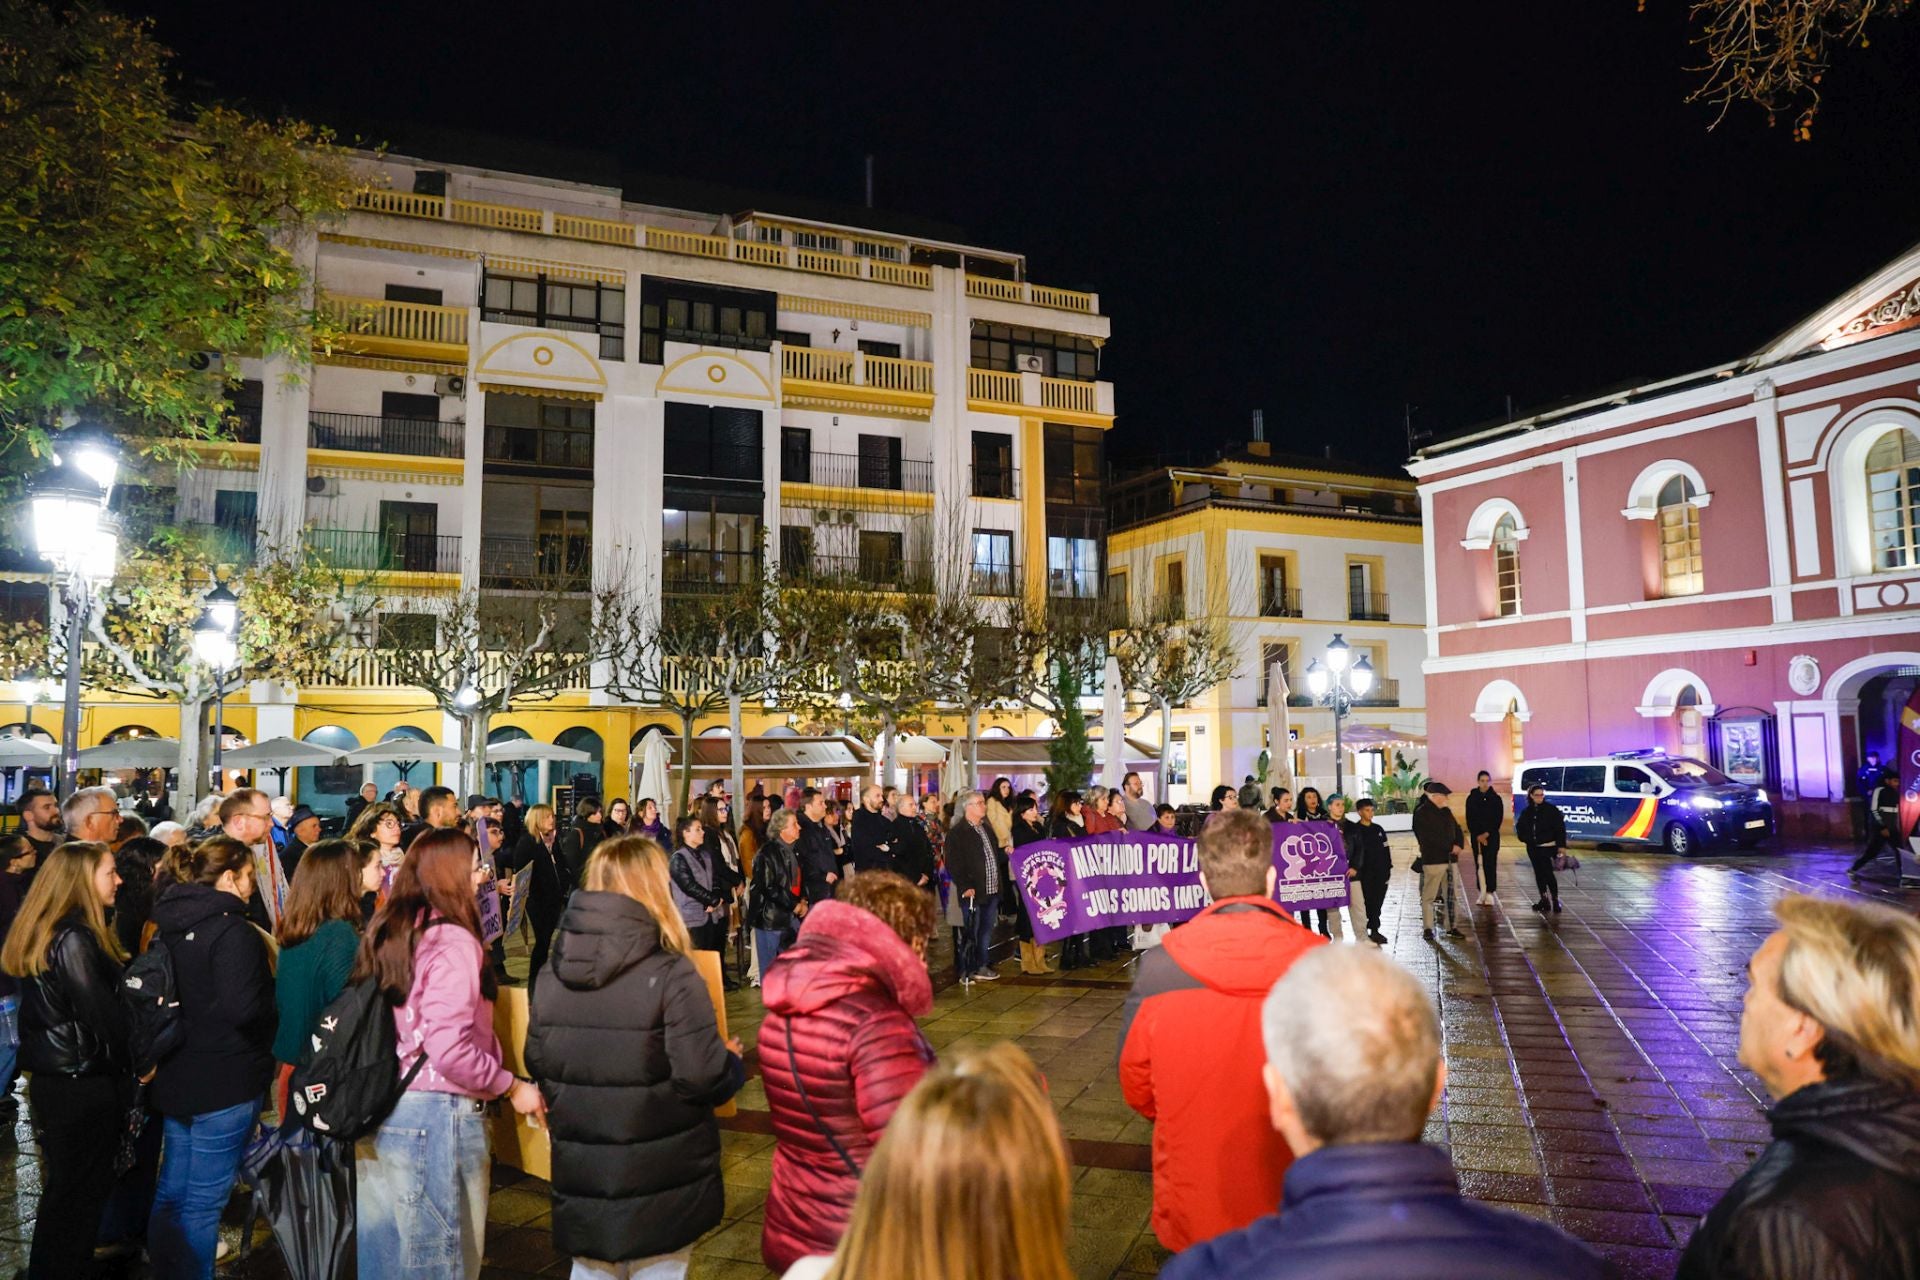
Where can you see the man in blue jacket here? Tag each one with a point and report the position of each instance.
(1353, 1070)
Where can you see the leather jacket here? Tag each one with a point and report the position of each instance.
(71, 1020)
(775, 868)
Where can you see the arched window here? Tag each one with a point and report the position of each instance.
(1679, 524)
(1506, 567)
(1516, 726)
(1893, 500)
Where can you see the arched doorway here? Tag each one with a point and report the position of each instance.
(419, 776)
(585, 777)
(325, 789)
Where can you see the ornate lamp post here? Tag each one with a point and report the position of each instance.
(214, 644)
(72, 529)
(1333, 684)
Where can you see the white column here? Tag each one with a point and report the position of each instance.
(1576, 567)
(949, 436)
(1773, 498)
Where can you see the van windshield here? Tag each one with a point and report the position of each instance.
(1688, 773)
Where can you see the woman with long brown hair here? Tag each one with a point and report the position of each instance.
(73, 1039)
(716, 819)
(625, 1045)
(210, 1088)
(422, 1175)
(382, 825)
(319, 938)
(971, 1180)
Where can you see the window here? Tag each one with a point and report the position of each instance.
(1073, 462)
(1177, 758)
(1585, 779)
(683, 311)
(1173, 589)
(711, 538)
(1628, 779)
(707, 440)
(1062, 355)
(796, 548)
(407, 631)
(407, 404)
(246, 402)
(993, 562)
(1278, 597)
(821, 241)
(1117, 588)
(793, 338)
(796, 455)
(890, 350)
(1516, 732)
(236, 509)
(572, 306)
(1679, 525)
(565, 543)
(1893, 500)
(1273, 651)
(1073, 567)
(876, 249)
(1506, 568)
(1541, 776)
(540, 434)
(409, 537)
(879, 462)
(1364, 602)
(882, 555)
(413, 293)
(992, 464)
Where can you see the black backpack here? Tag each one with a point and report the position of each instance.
(156, 1026)
(353, 1079)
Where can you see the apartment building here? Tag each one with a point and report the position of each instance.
(547, 380)
(1290, 552)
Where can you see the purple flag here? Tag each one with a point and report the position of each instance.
(1149, 877)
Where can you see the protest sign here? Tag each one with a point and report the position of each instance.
(1148, 877)
(492, 929)
(517, 899)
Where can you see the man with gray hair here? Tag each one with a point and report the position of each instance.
(91, 813)
(1353, 1071)
(974, 863)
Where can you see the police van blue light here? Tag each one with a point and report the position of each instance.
(1649, 798)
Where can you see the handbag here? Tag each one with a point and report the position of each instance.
(133, 1124)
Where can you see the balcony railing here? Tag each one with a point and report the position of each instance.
(996, 579)
(376, 669)
(1039, 295)
(1383, 692)
(529, 564)
(1034, 391)
(868, 570)
(995, 481)
(375, 326)
(688, 571)
(377, 551)
(1280, 602)
(1367, 606)
(373, 433)
(856, 369)
(229, 543)
(857, 471)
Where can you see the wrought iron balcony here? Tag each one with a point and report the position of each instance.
(375, 433)
(1280, 602)
(560, 562)
(856, 471)
(995, 481)
(1367, 606)
(691, 571)
(377, 551)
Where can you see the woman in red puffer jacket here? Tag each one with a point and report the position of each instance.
(838, 1051)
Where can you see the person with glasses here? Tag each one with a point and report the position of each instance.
(91, 814)
(247, 816)
(380, 824)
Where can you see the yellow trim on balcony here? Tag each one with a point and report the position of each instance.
(554, 270)
(573, 226)
(404, 579)
(854, 311)
(843, 380)
(244, 457)
(691, 243)
(506, 217)
(348, 360)
(376, 326)
(993, 387)
(341, 461)
(399, 246)
(853, 499)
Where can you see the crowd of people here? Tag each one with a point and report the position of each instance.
(1291, 1147)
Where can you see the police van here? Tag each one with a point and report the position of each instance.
(1649, 798)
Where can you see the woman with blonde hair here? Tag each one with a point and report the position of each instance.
(538, 847)
(73, 1041)
(971, 1179)
(625, 1045)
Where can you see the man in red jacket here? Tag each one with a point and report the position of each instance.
(1190, 1046)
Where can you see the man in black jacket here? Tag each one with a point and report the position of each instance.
(1837, 1192)
(1438, 834)
(819, 859)
(1542, 830)
(1371, 860)
(912, 850)
(1485, 814)
(778, 898)
(1883, 823)
(871, 835)
(974, 864)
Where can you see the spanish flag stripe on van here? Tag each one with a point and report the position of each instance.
(1641, 822)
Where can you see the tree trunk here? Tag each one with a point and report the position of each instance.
(477, 750)
(736, 757)
(972, 760)
(686, 765)
(886, 749)
(1166, 751)
(189, 776)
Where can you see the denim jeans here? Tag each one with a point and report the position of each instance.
(9, 1050)
(199, 1159)
(421, 1193)
(766, 948)
(985, 911)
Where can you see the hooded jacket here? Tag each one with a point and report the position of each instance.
(1836, 1194)
(1389, 1209)
(628, 1054)
(225, 985)
(841, 1003)
(1217, 1163)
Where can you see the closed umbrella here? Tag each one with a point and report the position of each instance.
(653, 782)
(1113, 729)
(303, 1186)
(1279, 744)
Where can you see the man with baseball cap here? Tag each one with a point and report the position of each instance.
(1438, 834)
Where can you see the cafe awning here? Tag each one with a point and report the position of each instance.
(1029, 755)
(832, 756)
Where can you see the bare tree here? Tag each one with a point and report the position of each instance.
(1776, 53)
(1171, 660)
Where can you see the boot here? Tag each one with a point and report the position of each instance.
(1030, 960)
(1047, 961)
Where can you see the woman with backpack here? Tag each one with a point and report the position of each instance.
(625, 1045)
(73, 1039)
(319, 938)
(209, 1089)
(421, 1191)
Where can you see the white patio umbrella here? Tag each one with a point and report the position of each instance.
(1113, 728)
(530, 749)
(281, 753)
(1279, 747)
(407, 750)
(653, 782)
(30, 753)
(132, 753)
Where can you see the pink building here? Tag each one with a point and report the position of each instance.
(1725, 565)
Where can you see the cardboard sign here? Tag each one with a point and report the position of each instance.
(517, 899)
(492, 927)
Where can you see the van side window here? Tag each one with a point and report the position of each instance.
(1630, 779)
(1585, 779)
(1540, 776)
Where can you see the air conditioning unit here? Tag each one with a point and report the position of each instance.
(823, 516)
(1032, 364)
(450, 384)
(846, 517)
(323, 486)
(205, 361)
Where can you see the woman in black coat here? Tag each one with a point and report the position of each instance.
(1026, 830)
(547, 891)
(625, 1046)
(73, 1041)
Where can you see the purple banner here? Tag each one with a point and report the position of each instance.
(1148, 877)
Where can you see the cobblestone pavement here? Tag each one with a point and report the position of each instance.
(1591, 1059)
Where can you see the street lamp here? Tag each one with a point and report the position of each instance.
(1334, 685)
(72, 529)
(214, 644)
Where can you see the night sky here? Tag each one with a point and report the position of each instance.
(1326, 210)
